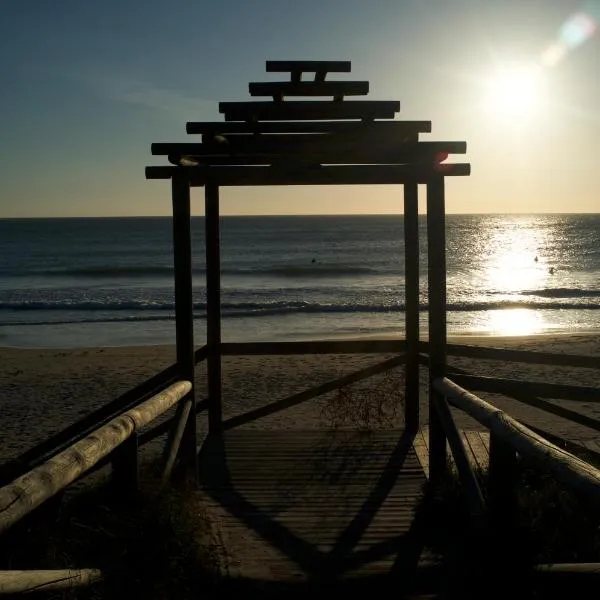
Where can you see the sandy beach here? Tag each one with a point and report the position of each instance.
(43, 391)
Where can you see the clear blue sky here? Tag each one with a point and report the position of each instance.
(87, 87)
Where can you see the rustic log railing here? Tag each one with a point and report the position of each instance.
(37, 455)
(25, 582)
(27, 492)
(529, 392)
(508, 438)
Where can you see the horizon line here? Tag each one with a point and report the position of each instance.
(383, 214)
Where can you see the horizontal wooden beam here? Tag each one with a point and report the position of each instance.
(315, 392)
(276, 141)
(321, 127)
(23, 582)
(331, 150)
(309, 110)
(335, 175)
(309, 66)
(309, 88)
(532, 388)
(567, 468)
(242, 160)
(27, 492)
(522, 356)
(312, 347)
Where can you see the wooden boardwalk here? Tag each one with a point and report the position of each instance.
(314, 506)
(476, 443)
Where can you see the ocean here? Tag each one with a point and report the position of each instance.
(109, 282)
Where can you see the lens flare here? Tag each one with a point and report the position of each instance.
(575, 31)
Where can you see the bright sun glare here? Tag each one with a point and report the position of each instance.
(514, 91)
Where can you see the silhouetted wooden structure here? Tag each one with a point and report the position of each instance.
(323, 142)
(313, 142)
(321, 507)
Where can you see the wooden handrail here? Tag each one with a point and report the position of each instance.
(35, 456)
(325, 388)
(23, 582)
(38, 454)
(522, 356)
(527, 395)
(566, 467)
(534, 388)
(313, 347)
(27, 492)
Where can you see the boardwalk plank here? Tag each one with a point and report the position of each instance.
(309, 506)
(477, 445)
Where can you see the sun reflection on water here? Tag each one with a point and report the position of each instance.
(514, 321)
(514, 264)
(515, 259)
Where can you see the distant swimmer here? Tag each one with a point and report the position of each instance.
(535, 259)
(314, 260)
(551, 270)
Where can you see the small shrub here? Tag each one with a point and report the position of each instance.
(373, 404)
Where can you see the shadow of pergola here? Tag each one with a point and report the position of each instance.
(349, 485)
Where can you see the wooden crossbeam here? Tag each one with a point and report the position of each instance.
(324, 175)
(269, 152)
(308, 66)
(318, 145)
(352, 139)
(308, 110)
(309, 88)
(193, 161)
(379, 127)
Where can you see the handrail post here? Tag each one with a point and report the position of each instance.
(436, 261)
(184, 330)
(213, 305)
(411, 293)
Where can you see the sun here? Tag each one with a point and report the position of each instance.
(514, 92)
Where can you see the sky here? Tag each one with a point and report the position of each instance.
(86, 87)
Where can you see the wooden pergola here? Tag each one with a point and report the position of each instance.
(332, 141)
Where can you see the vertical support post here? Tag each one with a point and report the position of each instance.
(184, 333)
(213, 305)
(436, 250)
(411, 293)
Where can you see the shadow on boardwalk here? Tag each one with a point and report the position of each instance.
(298, 508)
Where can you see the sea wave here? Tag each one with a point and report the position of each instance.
(562, 292)
(115, 271)
(79, 312)
(149, 271)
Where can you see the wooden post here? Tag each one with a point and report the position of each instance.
(436, 250)
(213, 305)
(411, 293)
(126, 469)
(184, 329)
(502, 474)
